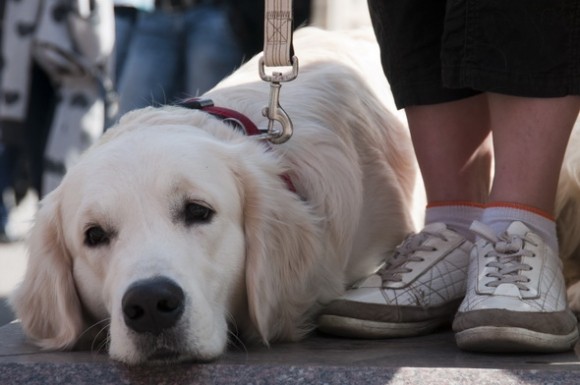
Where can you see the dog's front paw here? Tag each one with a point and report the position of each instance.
(574, 298)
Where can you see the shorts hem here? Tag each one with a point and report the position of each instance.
(533, 86)
(408, 95)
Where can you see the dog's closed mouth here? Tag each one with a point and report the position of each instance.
(164, 354)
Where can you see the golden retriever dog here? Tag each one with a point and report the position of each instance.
(177, 233)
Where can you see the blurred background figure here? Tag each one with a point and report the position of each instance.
(179, 48)
(172, 49)
(5, 166)
(126, 15)
(54, 87)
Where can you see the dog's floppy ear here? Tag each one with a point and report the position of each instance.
(46, 302)
(282, 239)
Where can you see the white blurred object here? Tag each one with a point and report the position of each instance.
(340, 14)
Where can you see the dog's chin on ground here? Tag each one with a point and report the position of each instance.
(149, 352)
(169, 347)
(165, 349)
(173, 345)
(177, 344)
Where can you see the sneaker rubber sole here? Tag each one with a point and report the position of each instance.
(358, 328)
(492, 339)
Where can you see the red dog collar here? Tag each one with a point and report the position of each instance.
(239, 120)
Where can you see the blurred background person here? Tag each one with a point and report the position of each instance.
(55, 87)
(126, 15)
(182, 48)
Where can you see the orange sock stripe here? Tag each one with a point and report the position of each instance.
(455, 203)
(521, 206)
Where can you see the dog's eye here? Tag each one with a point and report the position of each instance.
(197, 213)
(96, 236)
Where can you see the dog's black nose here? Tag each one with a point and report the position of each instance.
(153, 305)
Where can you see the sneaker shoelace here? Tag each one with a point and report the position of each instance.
(507, 253)
(396, 266)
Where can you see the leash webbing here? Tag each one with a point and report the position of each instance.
(278, 50)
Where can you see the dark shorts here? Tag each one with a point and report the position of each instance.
(436, 51)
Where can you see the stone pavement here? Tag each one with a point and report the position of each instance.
(432, 359)
(12, 265)
(13, 255)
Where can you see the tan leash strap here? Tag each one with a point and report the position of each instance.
(278, 50)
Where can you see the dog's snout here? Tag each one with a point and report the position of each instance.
(153, 305)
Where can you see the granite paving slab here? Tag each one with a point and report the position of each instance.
(320, 359)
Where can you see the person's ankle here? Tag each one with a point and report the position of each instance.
(457, 215)
(499, 215)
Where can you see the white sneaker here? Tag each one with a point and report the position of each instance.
(516, 297)
(416, 291)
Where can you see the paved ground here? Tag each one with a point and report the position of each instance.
(12, 265)
(13, 255)
(431, 359)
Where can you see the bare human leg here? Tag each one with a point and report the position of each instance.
(516, 297)
(530, 138)
(453, 148)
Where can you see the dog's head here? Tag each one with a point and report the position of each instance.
(162, 236)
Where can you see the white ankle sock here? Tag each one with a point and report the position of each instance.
(458, 216)
(499, 216)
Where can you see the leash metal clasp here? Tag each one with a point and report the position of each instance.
(274, 112)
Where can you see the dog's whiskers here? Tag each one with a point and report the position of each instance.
(92, 327)
(102, 346)
(104, 342)
(97, 338)
(234, 339)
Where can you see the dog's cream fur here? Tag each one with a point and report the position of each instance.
(269, 257)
